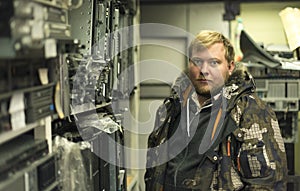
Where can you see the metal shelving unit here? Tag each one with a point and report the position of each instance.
(9, 135)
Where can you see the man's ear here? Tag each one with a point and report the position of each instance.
(231, 67)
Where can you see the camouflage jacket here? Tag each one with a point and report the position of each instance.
(247, 152)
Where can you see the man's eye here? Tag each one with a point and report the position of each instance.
(197, 62)
(213, 63)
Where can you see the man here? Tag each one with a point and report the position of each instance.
(213, 132)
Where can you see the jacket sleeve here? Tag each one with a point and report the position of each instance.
(154, 170)
(160, 125)
(261, 154)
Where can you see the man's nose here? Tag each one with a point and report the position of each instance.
(204, 68)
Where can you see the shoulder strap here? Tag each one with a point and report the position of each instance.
(216, 123)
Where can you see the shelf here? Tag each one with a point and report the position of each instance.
(8, 135)
(51, 4)
(24, 90)
(26, 175)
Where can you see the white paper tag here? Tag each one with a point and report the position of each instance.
(290, 18)
(17, 120)
(16, 110)
(50, 48)
(43, 75)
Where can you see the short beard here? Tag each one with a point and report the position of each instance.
(210, 93)
(204, 95)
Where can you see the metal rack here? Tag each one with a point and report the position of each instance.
(63, 60)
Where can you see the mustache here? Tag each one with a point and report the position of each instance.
(201, 78)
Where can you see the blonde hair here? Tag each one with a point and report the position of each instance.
(207, 38)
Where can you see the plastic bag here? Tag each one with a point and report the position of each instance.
(72, 172)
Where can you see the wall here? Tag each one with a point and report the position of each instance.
(262, 21)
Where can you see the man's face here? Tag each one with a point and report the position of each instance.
(209, 70)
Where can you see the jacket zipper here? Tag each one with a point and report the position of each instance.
(188, 122)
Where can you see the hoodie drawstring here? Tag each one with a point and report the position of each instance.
(188, 117)
(188, 122)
